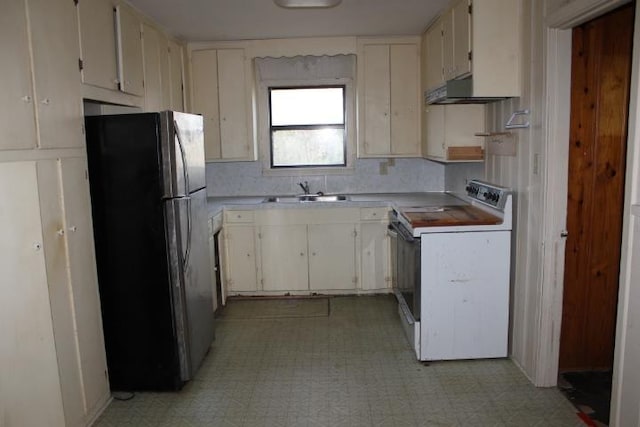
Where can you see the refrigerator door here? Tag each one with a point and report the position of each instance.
(198, 286)
(182, 140)
(191, 278)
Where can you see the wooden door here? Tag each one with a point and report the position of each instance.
(601, 66)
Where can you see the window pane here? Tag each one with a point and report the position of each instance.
(317, 106)
(308, 147)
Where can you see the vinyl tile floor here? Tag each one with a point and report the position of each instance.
(353, 367)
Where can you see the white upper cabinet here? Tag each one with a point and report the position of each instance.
(221, 93)
(456, 33)
(130, 64)
(176, 84)
(234, 111)
(152, 42)
(17, 121)
(56, 72)
(98, 43)
(450, 132)
(389, 100)
(204, 99)
(432, 60)
(462, 39)
(480, 39)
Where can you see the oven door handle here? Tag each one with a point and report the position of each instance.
(402, 232)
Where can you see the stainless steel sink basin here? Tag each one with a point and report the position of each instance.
(306, 198)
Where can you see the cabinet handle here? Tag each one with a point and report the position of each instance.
(60, 232)
(45, 101)
(73, 228)
(301, 253)
(26, 98)
(37, 246)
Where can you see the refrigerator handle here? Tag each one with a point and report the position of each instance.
(187, 252)
(185, 169)
(185, 166)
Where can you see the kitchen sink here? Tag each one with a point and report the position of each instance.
(306, 198)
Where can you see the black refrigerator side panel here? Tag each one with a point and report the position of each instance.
(129, 228)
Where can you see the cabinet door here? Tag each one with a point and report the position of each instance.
(241, 258)
(283, 252)
(175, 77)
(234, 112)
(165, 71)
(204, 99)
(376, 100)
(375, 256)
(461, 39)
(405, 99)
(434, 117)
(462, 122)
(84, 282)
(447, 45)
(17, 123)
(213, 266)
(56, 50)
(131, 74)
(332, 259)
(98, 43)
(152, 44)
(30, 388)
(433, 48)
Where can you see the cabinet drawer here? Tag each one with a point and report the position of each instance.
(238, 216)
(374, 214)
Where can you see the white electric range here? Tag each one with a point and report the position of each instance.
(452, 269)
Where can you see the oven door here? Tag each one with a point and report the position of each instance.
(406, 269)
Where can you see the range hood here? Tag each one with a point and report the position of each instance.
(457, 92)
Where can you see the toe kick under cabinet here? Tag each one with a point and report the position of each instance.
(306, 250)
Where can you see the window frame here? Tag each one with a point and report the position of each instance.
(343, 126)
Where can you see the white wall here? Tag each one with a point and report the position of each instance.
(538, 173)
(519, 173)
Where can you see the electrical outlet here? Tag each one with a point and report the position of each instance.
(391, 162)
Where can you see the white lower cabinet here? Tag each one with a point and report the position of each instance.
(50, 309)
(306, 250)
(284, 257)
(241, 274)
(375, 256)
(332, 256)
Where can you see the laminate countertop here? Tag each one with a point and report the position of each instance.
(393, 200)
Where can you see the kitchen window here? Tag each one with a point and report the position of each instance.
(307, 126)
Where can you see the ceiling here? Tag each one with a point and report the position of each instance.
(202, 20)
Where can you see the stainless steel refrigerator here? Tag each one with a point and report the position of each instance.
(148, 197)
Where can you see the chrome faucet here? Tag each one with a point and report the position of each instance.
(305, 187)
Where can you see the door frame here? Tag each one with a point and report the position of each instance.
(555, 186)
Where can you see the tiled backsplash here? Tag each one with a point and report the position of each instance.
(247, 179)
